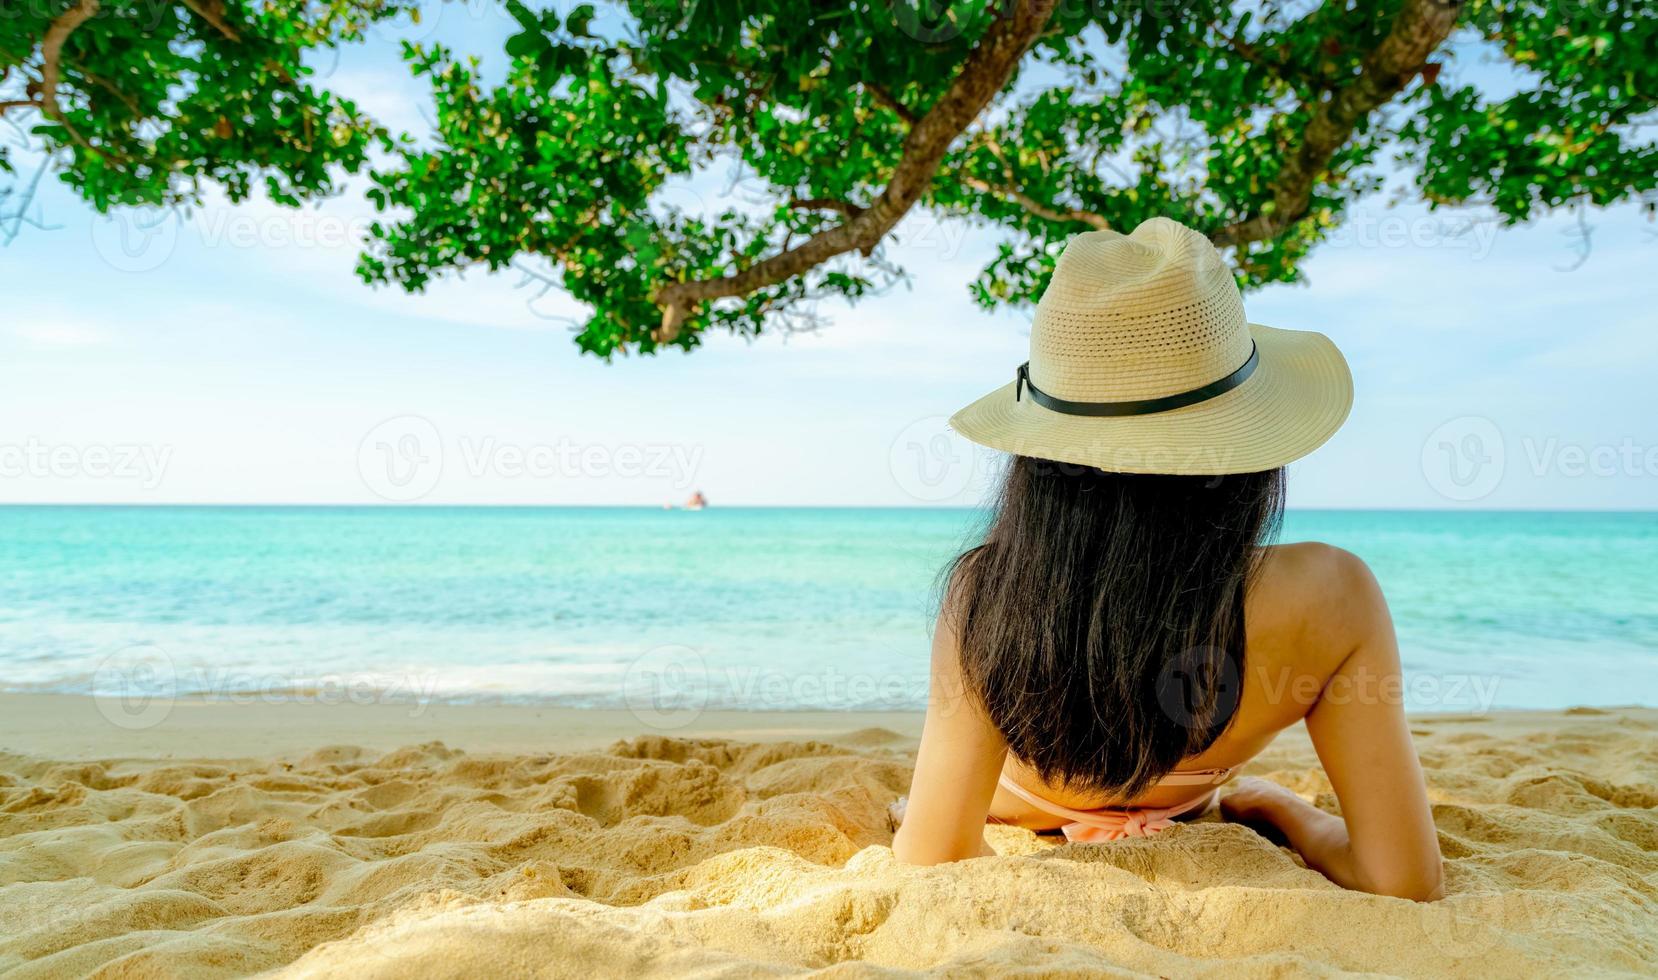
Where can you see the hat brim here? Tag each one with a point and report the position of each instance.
(1297, 398)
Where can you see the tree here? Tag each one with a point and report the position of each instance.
(143, 102)
(1036, 118)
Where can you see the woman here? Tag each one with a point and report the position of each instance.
(1126, 637)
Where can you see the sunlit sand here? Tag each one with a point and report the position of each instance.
(464, 855)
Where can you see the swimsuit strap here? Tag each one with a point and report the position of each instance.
(1107, 823)
(1198, 777)
(1114, 815)
(1044, 804)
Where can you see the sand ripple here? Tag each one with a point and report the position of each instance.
(669, 856)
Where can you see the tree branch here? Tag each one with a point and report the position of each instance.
(1273, 64)
(846, 208)
(1420, 27)
(984, 73)
(1039, 209)
(213, 12)
(109, 86)
(51, 68)
(51, 55)
(880, 94)
(1010, 191)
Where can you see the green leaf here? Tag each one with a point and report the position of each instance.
(579, 19)
(526, 18)
(581, 157)
(527, 44)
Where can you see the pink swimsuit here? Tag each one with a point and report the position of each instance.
(1115, 823)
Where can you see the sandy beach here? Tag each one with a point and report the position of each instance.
(368, 841)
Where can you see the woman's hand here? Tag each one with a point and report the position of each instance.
(1321, 838)
(1252, 800)
(1285, 818)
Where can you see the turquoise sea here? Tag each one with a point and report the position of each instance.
(750, 608)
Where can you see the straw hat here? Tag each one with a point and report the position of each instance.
(1141, 361)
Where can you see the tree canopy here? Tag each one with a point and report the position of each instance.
(1260, 124)
(143, 102)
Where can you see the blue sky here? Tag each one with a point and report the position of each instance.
(232, 356)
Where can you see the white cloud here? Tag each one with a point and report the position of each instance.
(60, 333)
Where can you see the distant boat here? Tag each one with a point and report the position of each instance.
(697, 501)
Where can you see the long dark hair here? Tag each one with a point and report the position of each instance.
(1101, 620)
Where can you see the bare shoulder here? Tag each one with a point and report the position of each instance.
(1314, 565)
(1311, 605)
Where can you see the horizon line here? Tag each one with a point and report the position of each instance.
(754, 506)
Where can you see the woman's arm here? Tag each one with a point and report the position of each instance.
(956, 768)
(1385, 841)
